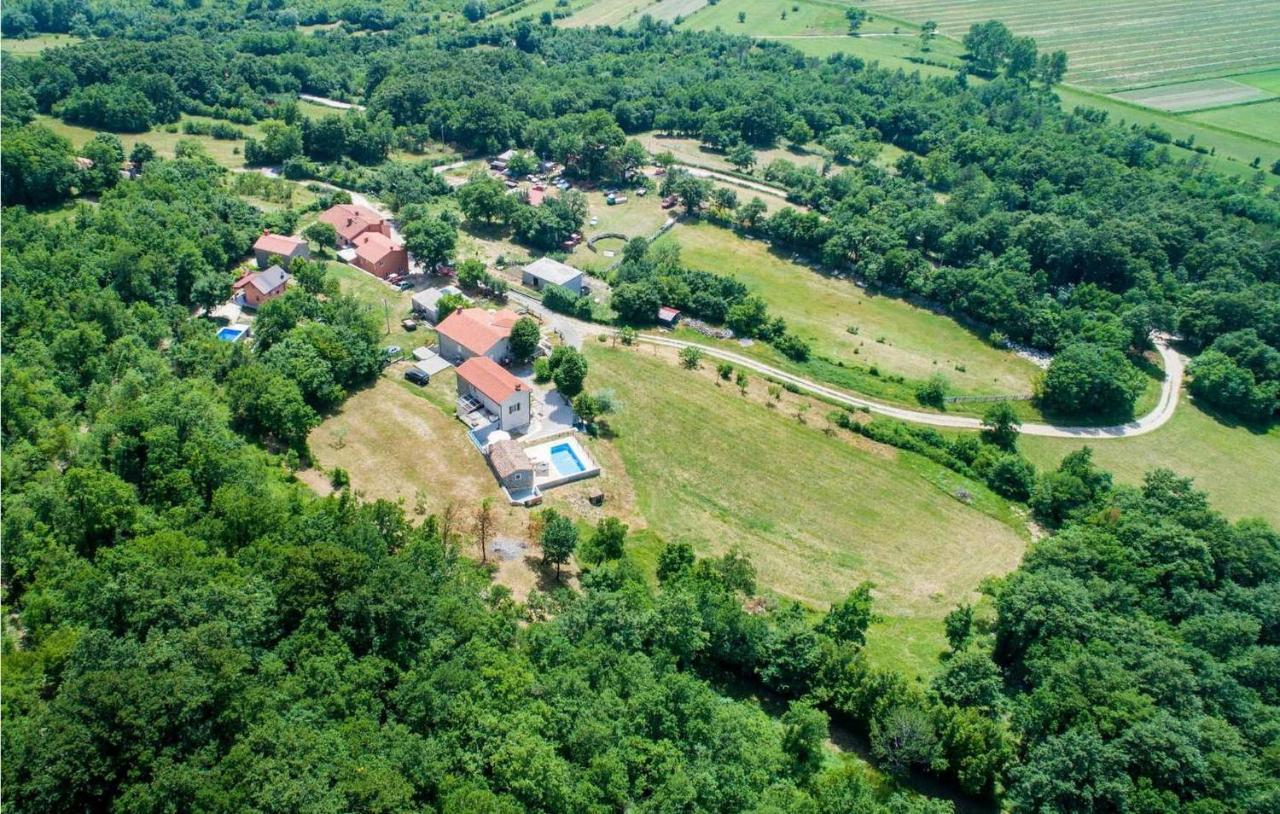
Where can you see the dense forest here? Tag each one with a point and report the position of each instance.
(188, 627)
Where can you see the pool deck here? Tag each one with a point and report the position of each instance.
(547, 476)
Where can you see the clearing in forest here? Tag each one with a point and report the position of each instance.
(1238, 467)
(846, 323)
(227, 152)
(817, 513)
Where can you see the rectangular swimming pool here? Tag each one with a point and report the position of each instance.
(232, 332)
(565, 460)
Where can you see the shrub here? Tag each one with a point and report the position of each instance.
(933, 391)
(690, 357)
(541, 370)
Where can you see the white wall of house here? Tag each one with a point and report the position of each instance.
(513, 413)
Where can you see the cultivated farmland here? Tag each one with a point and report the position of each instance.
(1123, 44)
(1198, 95)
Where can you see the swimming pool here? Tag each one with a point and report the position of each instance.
(232, 332)
(560, 461)
(565, 460)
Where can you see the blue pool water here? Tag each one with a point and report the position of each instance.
(231, 333)
(565, 460)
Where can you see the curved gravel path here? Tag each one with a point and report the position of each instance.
(1169, 392)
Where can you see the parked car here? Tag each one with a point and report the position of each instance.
(393, 351)
(418, 376)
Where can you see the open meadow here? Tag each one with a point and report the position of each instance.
(1239, 468)
(897, 337)
(30, 46)
(817, 513)
(227, 152)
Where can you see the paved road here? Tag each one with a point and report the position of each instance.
(571, 330)
(1153, 420)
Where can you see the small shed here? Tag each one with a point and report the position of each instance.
(546, 271)
(427, 301)
(668, 316)
(511, 465)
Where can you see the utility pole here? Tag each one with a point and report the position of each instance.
(386, 309)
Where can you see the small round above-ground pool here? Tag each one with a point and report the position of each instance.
(232, 333)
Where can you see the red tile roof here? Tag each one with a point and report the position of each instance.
(666, 313)
(476, 329)
(486, 376)
(277, 244)
(375, 246)
(352, 220)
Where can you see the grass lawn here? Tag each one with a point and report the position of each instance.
(1239, 469)
(34, 45)
(1267, 80)
(816, 513)
(689, 151)
(386, 302)
(1261, 119)
(916, 342)
(397, 442)
(228, 153)
(765, 18)
(640, 216)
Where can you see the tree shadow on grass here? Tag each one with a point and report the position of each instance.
(546, 574)
(1233, 422)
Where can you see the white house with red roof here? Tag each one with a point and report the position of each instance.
(273, 245)
(471, 332)
(483, 385)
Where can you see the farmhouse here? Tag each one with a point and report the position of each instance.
(512, 466)
(286, 248)
(427, 303)
(486, 389)
(352, 220)
(379, 255)
(471, 332)
(256, 288)
(545, 271)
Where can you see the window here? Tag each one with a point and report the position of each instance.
(514, 408)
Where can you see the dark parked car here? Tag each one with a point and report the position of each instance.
(418, 376)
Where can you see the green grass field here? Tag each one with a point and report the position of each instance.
(1239, 469)
(916, 342)
(389, 305)
(817, 514)
(34, 45)
(766, 18)
(1261, 119)
(1266, 80)
(228, 153)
